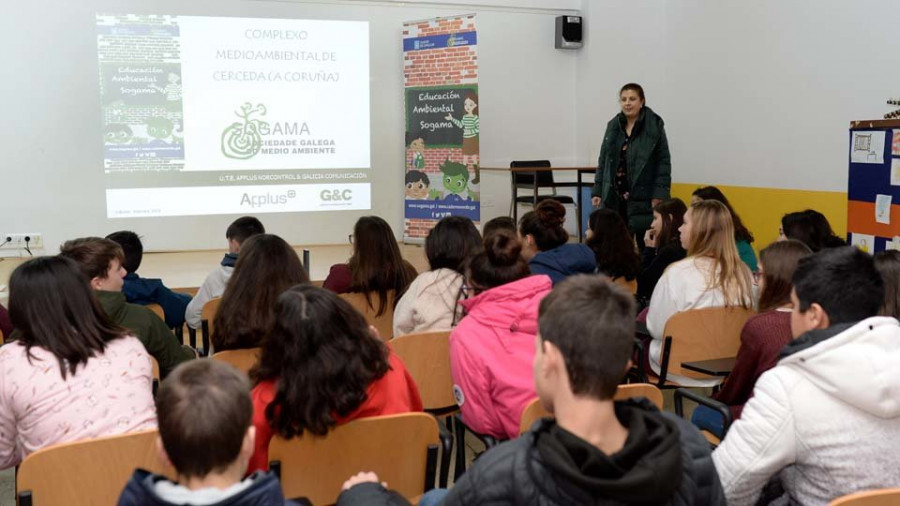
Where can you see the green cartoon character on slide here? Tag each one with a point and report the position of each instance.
(456, 182)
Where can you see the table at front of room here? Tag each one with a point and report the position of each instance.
(578, 185)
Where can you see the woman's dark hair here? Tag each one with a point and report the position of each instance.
(712, 193)
(888, 264)
(52, 307)
(451, 243)
(500, 263)
(613, 245)
(635, 87)
(811, 228)
(672, 213)
(545, 224)
(322, 356)
(499, 223)
(266, 267)
(376, 264)
(779, 261)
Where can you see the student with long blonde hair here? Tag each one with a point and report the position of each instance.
(712, 275)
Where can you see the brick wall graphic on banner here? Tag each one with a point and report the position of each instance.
(442, 122)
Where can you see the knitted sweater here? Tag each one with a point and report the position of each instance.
(762, 339)
(430, 303)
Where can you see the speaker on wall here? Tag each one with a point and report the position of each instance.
(568, 32)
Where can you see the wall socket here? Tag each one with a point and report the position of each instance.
(18, 241)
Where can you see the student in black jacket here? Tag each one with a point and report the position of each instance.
(596, 451)
(662, 245)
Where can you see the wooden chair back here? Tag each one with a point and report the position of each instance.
(427, 358)
(243, 360)
(704, 334)
(155, 367)
(395, 447)
(647, 390)
(207, 317)
(87, 472)
(385, 322)
(630, 286)
(533, 411)
(886, 497)
(158, 310)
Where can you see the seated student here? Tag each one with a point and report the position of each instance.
(811, 228)
(492, 347)
(100, 261)
(375, 266)
(763, 336)
(266, 268)
(712, 275)
(662, 245)
(322, 365)
(69, 373)
(5, 325)
(544, 244)
(596, 450)
(239, 231)
(145, 291)
(431, 302)
(613, 245)
(825, 420)
(742, 236)
(205, 433)
(499, 223)
(888, 264)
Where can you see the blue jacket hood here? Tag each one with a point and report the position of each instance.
(265, 491)
(564, 261)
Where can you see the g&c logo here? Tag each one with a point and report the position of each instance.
(336, 195)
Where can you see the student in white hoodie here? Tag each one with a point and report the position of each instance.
(825, 421)
(431, 301)
(240, 230)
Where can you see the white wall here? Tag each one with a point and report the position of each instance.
(754, 94)
(52, 166)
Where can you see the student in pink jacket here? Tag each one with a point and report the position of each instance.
(492, 348)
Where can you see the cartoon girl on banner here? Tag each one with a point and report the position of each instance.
(469, 124)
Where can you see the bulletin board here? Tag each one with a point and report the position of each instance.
(873, 193)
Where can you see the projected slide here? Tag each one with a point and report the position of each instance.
(207, 115)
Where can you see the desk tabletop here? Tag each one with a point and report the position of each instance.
(715, 367)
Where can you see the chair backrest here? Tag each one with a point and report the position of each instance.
(427, 358)
(527, 178)
(533, 411)
(156, 308)
(647, 390)
(154, 366)
(631, 286)
(243, 360)
(704, 334)
(208, 313)
(88, 472)
(385, 322)
(886, 497)
(395, 447)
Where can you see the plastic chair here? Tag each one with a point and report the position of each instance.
(427, 358)
(384, 323)
(85, 473)
(886, 497)
(698, 334)
(526, 181)
(400, 449)
(243, 360)
(207, 316)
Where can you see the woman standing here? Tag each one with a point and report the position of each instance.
(634, 172)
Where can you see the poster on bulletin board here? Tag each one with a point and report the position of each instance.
(873, 191)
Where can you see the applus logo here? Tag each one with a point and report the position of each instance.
(336, 195)
(255, 201)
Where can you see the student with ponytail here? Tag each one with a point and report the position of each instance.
(712, 275)
(545, 244)
(492, 348)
